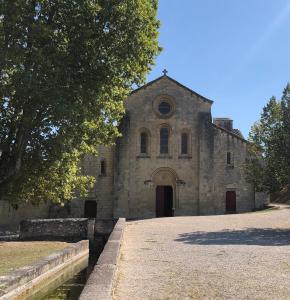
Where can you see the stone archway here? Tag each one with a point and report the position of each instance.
(164, 181)
(164, 176)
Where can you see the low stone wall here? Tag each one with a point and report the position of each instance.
(9, 238)
(100, 283)
(54, 229)
(15, 283)
(261, 200)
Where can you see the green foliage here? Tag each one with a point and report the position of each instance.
(66, 67)
(269, 166)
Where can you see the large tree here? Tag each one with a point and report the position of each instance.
(269, 166)
(65, 68)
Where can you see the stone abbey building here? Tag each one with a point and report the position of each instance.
(172, 159)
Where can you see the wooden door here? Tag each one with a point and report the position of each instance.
(164, 201)
(168, 201)
(90, 209)
(159, 201)
(230, 201)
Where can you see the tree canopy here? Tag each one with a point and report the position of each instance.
(65, 69)
(269, 166)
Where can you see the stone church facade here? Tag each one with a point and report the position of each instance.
(172, 159)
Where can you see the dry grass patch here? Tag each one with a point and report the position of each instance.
(14, 255)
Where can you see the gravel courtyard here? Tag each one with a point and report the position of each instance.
(243, 256)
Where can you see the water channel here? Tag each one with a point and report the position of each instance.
(67, 285)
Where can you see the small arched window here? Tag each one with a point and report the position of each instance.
(144, 143)
(164, 140)
(103, 167)
(229, 158)
(184, 143)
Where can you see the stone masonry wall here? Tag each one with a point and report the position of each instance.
(54, 229)
(102, 192)
(232, 177)
(10, 218)
(217, 177)
(206, 165)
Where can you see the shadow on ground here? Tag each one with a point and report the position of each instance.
(248, 236)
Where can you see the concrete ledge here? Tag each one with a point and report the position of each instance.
(15, 283)
(100, 283)
(110, 253)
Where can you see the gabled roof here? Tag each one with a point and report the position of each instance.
(232, 133)
(238, 132)
(174, 81)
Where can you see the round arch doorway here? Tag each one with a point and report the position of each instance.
(164, 201)
(164, 181)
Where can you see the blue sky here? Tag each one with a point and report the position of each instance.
(235, 52)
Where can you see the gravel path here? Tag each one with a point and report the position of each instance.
(244, 256)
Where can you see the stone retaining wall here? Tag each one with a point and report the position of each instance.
(14, 284)
(102, 231)
(100, 283)
(54, 229)
(261, 200)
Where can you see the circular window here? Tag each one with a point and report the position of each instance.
(164, 108)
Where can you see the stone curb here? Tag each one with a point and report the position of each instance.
(100, 283)
(24, 275)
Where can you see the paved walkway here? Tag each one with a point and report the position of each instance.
(244, 256)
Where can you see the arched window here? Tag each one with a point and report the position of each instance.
(103, 167)
(144, 143)
(164, 140)
(184, 143)
(229, 158)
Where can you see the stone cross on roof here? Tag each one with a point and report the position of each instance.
(164, 72)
